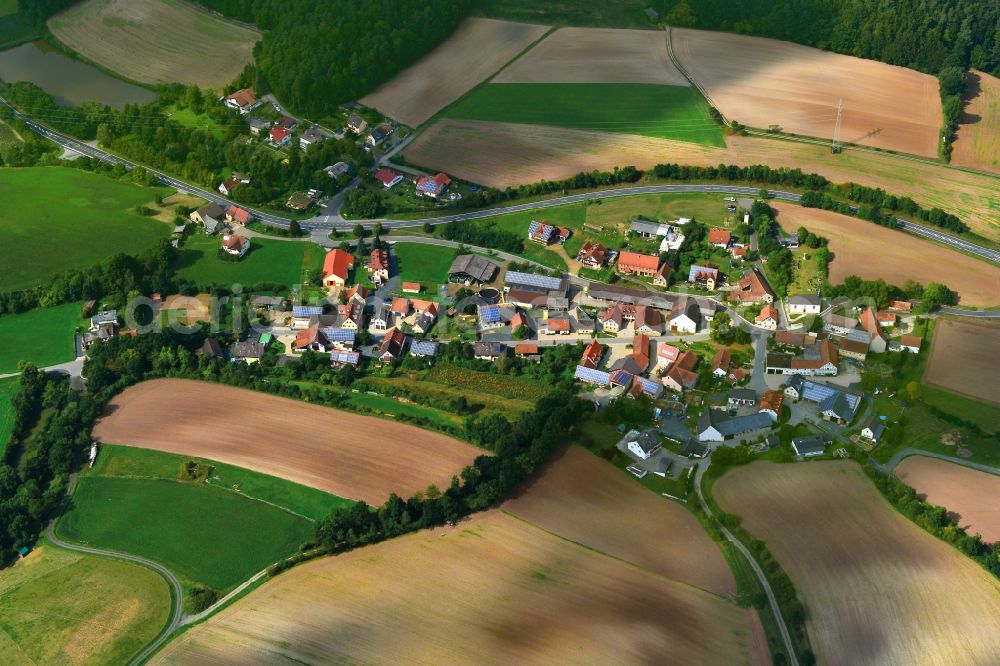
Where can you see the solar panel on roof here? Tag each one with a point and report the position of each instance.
(424, 347)
(306, 310)
(339, 334)
(489, 314)
(530, 279)
(591, 375)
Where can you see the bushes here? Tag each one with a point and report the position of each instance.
(484, 235)
(951, 84)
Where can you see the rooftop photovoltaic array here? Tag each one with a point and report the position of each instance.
(532, 280)
(306, 310)
(591, 375)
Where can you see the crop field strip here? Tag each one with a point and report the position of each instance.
(871, 252)
(157, 41)
(977, 142)
(878, 589)
(492, 589)
(476, 50)
(968, 493)
(962, 359)
(345, 454)
(762, 82)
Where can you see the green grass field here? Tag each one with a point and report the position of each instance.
(54, 219)
(283, 262)
(59, 607)
(668, 112)
(44, 336)
(7, 136)
(206, 535)
(8, 388)
(189, 118)
(427, 264)
(127, 461)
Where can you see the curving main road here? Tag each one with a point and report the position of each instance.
(176, 591)
(889, 466)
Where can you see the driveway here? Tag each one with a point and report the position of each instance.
(758, 380)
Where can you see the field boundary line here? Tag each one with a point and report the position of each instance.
(630, 563)
(18, 646)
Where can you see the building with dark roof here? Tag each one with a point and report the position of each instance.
(472, 269)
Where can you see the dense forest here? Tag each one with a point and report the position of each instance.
(926, 35)
(316, 54)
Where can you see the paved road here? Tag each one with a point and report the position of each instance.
(771, 598)
(176, 591)
(888, 467)
(975, 314)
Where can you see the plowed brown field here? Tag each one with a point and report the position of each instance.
(963, 359)
(584, 499)
(977, 143)
(507, 154)
(470, 56)
(762, 82)
(596, 55)
(493, 590)
(878, 589)
(970, 494)
(862, 249)
(353, 456)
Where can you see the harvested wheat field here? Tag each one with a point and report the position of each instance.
(878, 589)
(584, 499)
(596, 55)
(762, 82)
(969, 494)
(860, 246)
(353, 456)
(963, 359)
(187, 309)
(507, 154)
(157, 41)
(977, 142)
(492, 590)
(470, 56)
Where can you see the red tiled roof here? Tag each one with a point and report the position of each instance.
(557, 324)
(719, 236)
(911, 341)
(869, 322)
(667, 352)
(240, 215)
(379, 260)
(278, 134)
(592, 354)
(233, 242)
(337, 262)
(400, 305)
(633, 261)
(526, 348)
(767, 312)
(640, 350)
(886, 316)
(356, 290)
(772, 400)
(244, 97)
(411, 287)
(688, 359)
(386, 176)
(722, 360)
(905, 306)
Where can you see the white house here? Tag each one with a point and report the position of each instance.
(643, 444)
(235, 245)
(685, 316)
(666, 354)
(805, 304)
(873, 430)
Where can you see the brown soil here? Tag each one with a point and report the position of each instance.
(977, 143)
(155, 41)
(970, 494)
(493, 590)
(872, 251)
(354, 456)
(196, 308)
(763, 82)
(470, 56)
(587, 500)
(879, 590)
(963, 356)
(596, 55)
(507, 154)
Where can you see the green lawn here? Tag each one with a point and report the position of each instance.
(427, 264)
(669, 112)
(189, 118)
(127, 461)
(984, 415)
(54, 218)
(60, 607)
(44, 336)
(571, 216)
(276, 261)
(7, 136)
(8, 388)
(206, 535)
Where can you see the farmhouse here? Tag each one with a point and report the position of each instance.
(835, 404)
(752, 288)
(646, 387)
(719, 237)
(378, 266)
(768, 317)
(741, 397)
(542, 232)
(472, 269)
(339, 359)
(425, 319)
(388, 177)
(423, 348)
(489, 316)
(242, 100)
(312, 339)
(714, 425)
(704, 276)
(279, 136)
(721, 362)
(643, 444)
(818, 359)
(519, 320)
(805, 304)
(854, 349)
(771, 403)
(680, 376)
(902, 306)
(383, 318)
(590, 375)
(527, 350)
(592, 354)
(592, 255)
(302, 315)
(341, 339)
(612, 319)
(838, 324)
(647, 320)
(792, 339)
(356, 123)
(357, 293)
(488, 351)
(910, 343)
(615, 294)
(237, 215)
(885, 318)
(685, 316)
(336, 266)
(557, 326)
(210, 215)
(621, 377)
(666, 354)
(249, 351)
(433, 187)
(392, 345)
(807, 447)
(235, 245)
(662, 276)
(228, 186)
(351, 315)
(873, 430)
(411, 287)
(211, 348)
(640, 351)
(633, 263)
(869, 322)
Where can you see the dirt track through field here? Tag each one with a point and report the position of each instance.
(507, 155)
(492, 590)
(969, 494)
(963, 359)
(157, 41)
(353, 456)
(878, 589)
(476, 50)
(596, 55)
(977, 142)
(760, 82)
(587, 500)
(871, 251)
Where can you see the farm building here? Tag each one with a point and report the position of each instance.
(249, 351)
(530, 282)
(647, 387)
(771, 403)
(647, 228)
(542, 233)
(472, 269)
(719, 237)
(685, 316)
(423, 348)
(741, 397)
(817, 359)
(433, 187)
(489, 316)
(633, 263)
(706, 276)
(768, 317)
(312, 339)
(211, 216)
(336, 266)
(488, 351)
(752, 288)
(714, 425)
(237, 215)
(388, 177)
(592, 255)
(592, 354)
(666, 354)
(873, 430)
(807, 447)
(622, 378)
(557, 326)
(614, 294)
(721, 362)
(870, 323)
(910, 343)
(662, 276)
(527, 349)
(378, 266)
(302, 314)
(590, 375)
(855, 349)
(392, 345)
(411, 287)
(835, 404)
